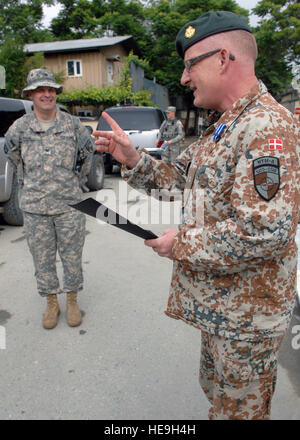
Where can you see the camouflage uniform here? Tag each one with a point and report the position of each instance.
(235, 256)
(171, 130)
(48, 183)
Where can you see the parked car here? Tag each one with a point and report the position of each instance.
(141, 124)
(10, 110)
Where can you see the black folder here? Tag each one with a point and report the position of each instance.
(98, 210)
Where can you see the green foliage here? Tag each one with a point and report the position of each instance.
(154, 25)
(22, 19)
(277, 35)
(20, 23)
(13, 59)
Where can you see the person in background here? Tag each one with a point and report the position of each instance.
(50, 151)
(171, 134)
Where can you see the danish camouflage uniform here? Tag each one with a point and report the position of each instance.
(47, 164)
(235, 256)
(171, 130)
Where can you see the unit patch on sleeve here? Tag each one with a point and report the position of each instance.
(266, 176)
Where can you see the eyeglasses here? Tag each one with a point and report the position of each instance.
(189, 63)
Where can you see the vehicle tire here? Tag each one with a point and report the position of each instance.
(97, 172)
(12, 213)
(298, 298)
(108, 164)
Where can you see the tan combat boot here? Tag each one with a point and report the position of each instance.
(73, 312)
(52, 311)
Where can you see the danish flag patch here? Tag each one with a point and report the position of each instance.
(275, 144)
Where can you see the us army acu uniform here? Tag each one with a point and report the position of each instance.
(48, 160)
(171, 130)
(234, 274)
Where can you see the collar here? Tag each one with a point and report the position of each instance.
(229, 116)
(58, 123)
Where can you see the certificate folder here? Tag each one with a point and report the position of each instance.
(98, 210)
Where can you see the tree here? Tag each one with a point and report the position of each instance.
(277, 36)
(167, 18)
(22, 19)
(154, 26)
(12, 58)
(96, 18)
(17, 66)
(74, 21)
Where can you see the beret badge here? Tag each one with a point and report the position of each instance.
(190, 32)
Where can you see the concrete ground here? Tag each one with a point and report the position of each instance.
(128, 360)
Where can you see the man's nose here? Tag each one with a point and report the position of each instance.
(185, 78)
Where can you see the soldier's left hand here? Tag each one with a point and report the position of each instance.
(164, 244)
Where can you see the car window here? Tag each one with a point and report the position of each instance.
(133, 119)
(10, 110)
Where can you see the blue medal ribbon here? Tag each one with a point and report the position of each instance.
(218, 132)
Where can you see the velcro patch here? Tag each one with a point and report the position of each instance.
(266, 173)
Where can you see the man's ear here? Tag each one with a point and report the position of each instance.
(224, 59)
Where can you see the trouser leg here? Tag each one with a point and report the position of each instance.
(239, 377)
(166, 155)
(70, 230)
(207, 369)
(174, 152)
(41, 239)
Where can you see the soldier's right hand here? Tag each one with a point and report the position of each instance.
(117, 143)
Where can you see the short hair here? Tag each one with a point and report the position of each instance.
(241, 43)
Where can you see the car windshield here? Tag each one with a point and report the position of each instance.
(10, 110)
(133, 119)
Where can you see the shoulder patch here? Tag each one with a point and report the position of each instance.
(266, 174)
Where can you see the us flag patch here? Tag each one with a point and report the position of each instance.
(275, 144)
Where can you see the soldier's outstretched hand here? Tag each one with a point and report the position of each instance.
(117, 143)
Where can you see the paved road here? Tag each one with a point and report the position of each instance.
(127, 360)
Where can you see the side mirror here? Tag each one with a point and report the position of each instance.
(89, 129)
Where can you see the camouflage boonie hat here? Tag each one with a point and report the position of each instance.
(210, 23)
(41, 78)
(171, 109)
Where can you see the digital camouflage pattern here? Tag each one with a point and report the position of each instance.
(45, 162)
(46, 165)
(47, 234)
(171, 130)
(238, 377)
(234, 273)
(41, 78)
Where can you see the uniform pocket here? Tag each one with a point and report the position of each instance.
(65, 150)
(236, 371)
(31, 152)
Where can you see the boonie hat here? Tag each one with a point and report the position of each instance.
(41, 78)
(210, 23)
(171, 109)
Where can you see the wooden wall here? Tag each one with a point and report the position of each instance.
(94, 67)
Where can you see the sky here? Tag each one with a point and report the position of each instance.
(52, 11)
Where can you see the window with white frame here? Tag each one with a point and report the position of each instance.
(74, 68)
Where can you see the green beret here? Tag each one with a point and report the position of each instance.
(210, 23)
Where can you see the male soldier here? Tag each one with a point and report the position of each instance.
(51, 149)
(235, 256)
(172, 133)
